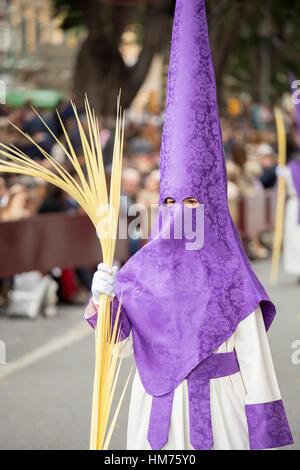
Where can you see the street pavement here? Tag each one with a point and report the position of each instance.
(46, 386)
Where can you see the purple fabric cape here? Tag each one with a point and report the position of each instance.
(294, 165)
(181, 304)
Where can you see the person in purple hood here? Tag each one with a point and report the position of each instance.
(192, 311)
(291, 240)
(291, 173)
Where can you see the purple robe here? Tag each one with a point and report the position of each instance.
(180, 302)
(183, 304)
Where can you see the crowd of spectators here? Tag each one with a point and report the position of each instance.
(250, 144)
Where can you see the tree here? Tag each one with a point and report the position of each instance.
(267, 49)
(255, 43)
(100, 70)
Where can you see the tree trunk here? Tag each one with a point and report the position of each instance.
(100, 70)
(224, 35)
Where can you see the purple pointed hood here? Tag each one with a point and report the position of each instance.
(183, 303)
(192, 159)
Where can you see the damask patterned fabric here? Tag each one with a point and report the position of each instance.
(192, 159)
(183, 304)
(201, 434)
(268, 425)
(91, 316)
(253, 392)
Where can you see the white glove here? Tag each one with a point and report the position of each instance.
(104, 282)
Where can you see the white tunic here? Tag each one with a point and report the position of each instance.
(291, 242)
(255, 383)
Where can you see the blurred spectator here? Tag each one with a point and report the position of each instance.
(268, 162)
(16, 207)
(131, 182)
(55, 200)
(3, 193)
(149, 198)
(141, 141)
(250, 144)
(233, 189)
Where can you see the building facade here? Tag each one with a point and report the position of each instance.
(34, 51)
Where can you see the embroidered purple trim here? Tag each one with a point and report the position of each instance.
(201, 436)
(268, 426)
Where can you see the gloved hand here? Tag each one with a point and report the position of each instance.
(104, 281)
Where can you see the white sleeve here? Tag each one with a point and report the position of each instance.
(268, 427)
(255, 360)
(126, 346)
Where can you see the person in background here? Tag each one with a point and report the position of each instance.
(57, 201)
(31, 292)
(3, 192)
(193, 312)
(291, 240)
(131, 183)
(16, 207)
(268, 161)
(148, 197)
(233, 189)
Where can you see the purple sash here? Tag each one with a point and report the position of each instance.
(201, 436)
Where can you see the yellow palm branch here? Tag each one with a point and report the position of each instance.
(91, 194)
(281, 195)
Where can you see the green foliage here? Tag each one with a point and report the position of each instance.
(71, 13)
(277, 24)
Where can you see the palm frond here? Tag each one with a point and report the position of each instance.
(91, 194)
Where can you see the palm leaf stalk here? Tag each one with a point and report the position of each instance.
(281, 195)
(91, 194)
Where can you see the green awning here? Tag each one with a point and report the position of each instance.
(40, 98)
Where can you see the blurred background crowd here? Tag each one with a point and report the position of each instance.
(250, 144)
(50, 52)
(54, 50)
